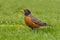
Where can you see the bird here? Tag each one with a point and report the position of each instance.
(32, 21)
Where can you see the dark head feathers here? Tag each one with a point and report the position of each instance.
(26, 12)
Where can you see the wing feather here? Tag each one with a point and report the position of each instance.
(36, 21)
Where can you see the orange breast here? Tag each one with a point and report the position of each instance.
(28, 21)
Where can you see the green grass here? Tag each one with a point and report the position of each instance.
(12, 26)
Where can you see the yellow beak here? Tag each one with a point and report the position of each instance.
(22, 11)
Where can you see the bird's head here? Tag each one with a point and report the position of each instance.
(26, 12)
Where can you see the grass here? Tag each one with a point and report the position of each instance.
(12, 26)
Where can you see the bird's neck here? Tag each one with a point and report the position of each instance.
(30, 15)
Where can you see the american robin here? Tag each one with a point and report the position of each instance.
(31, 21)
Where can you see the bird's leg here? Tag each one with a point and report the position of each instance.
(32, 28)
(35, 30)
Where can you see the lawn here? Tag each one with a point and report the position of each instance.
(13, 27)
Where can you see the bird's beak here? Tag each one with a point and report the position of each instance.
(22, 11)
